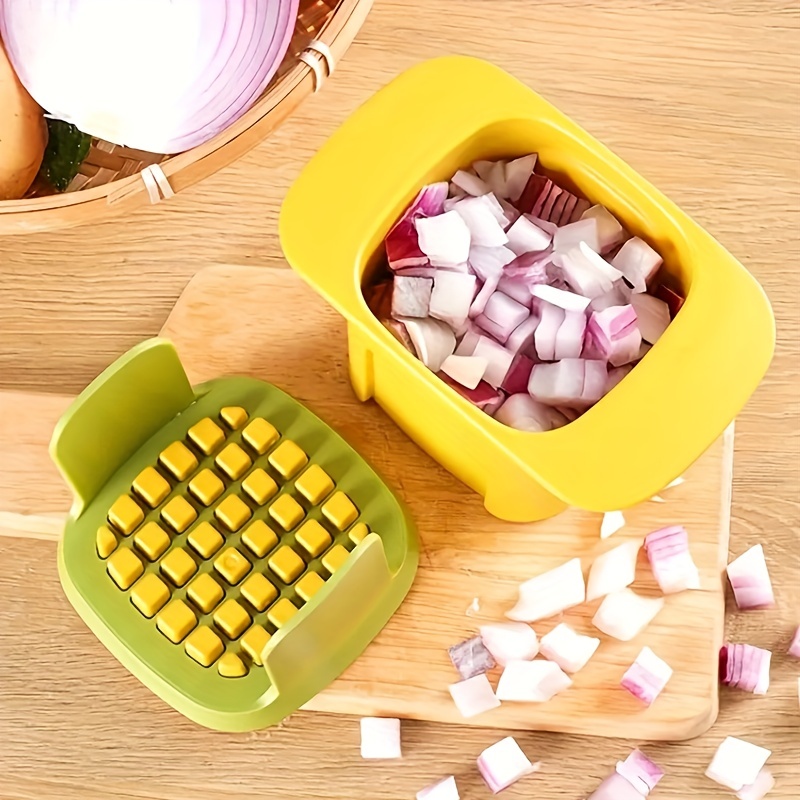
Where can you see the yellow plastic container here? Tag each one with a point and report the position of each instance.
(440, 116)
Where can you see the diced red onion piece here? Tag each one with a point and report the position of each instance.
(402, 246)
(582, 275)
(615, 787)
(581, 206)
(452, 296)
(595, 380)
(518, 173)
(613, 521)
(444, 239)
(745, 667)
(750, 580)
(482, 298)
(432, 339)
(526, 237)
(518, 376)
(516, 288)
(624, 615)
(638, 262)
(483, 169)
(571, 235)
(488, 262)
(466, 370)
(571, 382)
(568, 211)
(498, 210)
(668, 552)
(466, 347)
(522, 412)
(484, 228)
(503, 764)
(672, 299)
(411, 297)
(618, 295)
(569, 301)
(570, 650)
(510, 641)
(548, 207)
(794, 647)
(550, 319)
(616, 375)
(443, 790)
(652, 316)
(550, 593)
(473, 696)
(522, 338)
(416, 272)
(493, 174)
(455, 191)
(498, 360)
(760, 788)
(534, 194)
(532, 267)
(569, 339)
(737, 763)
(614, 334)
(531, 681)
(493, 406)
(646, 678)
(471, 658)
(642, 773)
(613, 570)
(471, 184)
(510, 212)
(609, 232)
(398, 330)
(380, 738)
(506, 313)
(483, 396)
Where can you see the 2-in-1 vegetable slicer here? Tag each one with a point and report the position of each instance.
(441, 116)
(228, 547)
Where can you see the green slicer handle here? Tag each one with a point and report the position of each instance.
(115, 414)
(306, 657)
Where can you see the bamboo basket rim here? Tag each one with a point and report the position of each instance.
(298, 82)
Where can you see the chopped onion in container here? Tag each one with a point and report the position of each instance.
(411, 297)
(445, 789)
(517, 174)
(518, 375)
(481, 219)
(569, 339)
(473, 696)
(613, 521)
(750, 580)
(615, 787)
(534, 195)
(516, 288)
(646, 678)
(466, 347)
(498, 360)
(569, 301)
(624, 615)
(451, 297)
(445, 239)
(471, 184)
(613, 570)
(737, 763)
(402, 243)
(471, 657)
(582, 273)
(642, 773)
(510, 641)
(531, 267)
(522, 412)
(745, 667)
(652, 316)
(609, 232)
(760, 788)
(467, 370)
(504, 314)
(546, 334)
(380, 738)
(794, 647)
(503, 764)
(614, 333)
(668, 553)
(531, 681)
(550, 593)
(488, 262)
(482, 298)
(571, 382)
(571, 235)
(483, 396)
(638, 262)
(570, 650)
(523, 337)
(525, 236)
(432, 339)
(618, 295)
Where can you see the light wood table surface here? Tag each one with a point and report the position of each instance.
(703, 98)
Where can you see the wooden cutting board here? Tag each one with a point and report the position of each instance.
(268, 324)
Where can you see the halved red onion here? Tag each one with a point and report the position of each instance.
(531, 681)
(570, 650)
(638, 262)
(471, 657)
(471, 184)
(525, 236)
(750, 580)
(609, 232)
(498, 360)
(794, 647)
(467, 370)
(444, 239)
(402, 241)
(550, 593)
(624, 615)
(503, 764)
(613, 521)
(380, 738)
(737, 763)
(411, 297)
(613, 570)
(652, 316)
(569, 301)
(573, 234)
(742, 666)
(615, 787)
(615, 334)
(522, 412)
(445, 789)
(668, 552)
(518, 375)
(646, 678)
(510, 641)
(517, 174)
(473, 696)
(760, 788)
(642, 773)
(432, 339)
(569, 339)
(480, 218)
(452, 296)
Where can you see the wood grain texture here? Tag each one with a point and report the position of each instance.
(701, 97)
(465, 552)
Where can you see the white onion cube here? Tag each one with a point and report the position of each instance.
(380, 738)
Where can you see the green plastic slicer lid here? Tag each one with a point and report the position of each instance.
(225, 544)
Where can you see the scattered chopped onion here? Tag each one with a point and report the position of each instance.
(668, 552)
(760, 788)
(432, 339)
(411, 297)
(531, 681)
(525, 236)
(445, 789)
(677, 482)
(656, 498)
(613, 570)
(737, 763)
(750, 580)
(380, 738)
(473, 696)
(742, 666)
(481, 219)
(503, 764)
(550, 593)
(473, 608)
(616, 787)
(794, 647)
(646, 678)
(638, 262)
(471, 658)
(652, 316)
(510, 641)
(471, 184)
(570, 650)
(613, 521)
(642, 773)
(522, 412)
(402, 245)
(624, 615)
(445, 239)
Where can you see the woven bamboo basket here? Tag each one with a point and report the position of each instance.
(114, 179)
